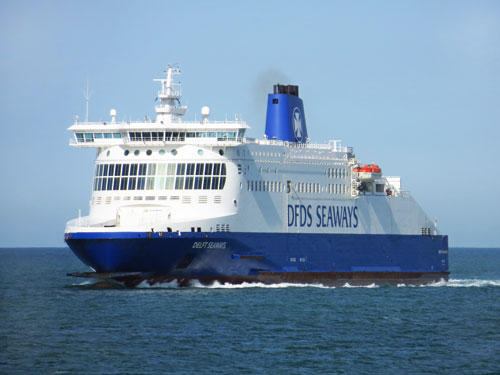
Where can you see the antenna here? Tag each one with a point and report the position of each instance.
(87, 98)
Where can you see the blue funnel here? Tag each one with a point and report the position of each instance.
(285, 119)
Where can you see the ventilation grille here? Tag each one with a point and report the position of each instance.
(150, 198)
(222, 228)
(162, 198)
(426, 231)
(202, 199)
(108, 200)
(186, 199)
(217, 199)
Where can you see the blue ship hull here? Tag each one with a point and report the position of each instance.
(266, 257)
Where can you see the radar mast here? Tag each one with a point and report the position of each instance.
(169, 109)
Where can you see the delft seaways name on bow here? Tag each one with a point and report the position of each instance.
(325, 216)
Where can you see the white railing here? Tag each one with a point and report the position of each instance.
(95, 142)
(324, 146)
(78, 222)
(188, 140)
(149, 121)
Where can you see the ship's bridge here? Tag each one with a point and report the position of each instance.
(223, 133)
(168, 127)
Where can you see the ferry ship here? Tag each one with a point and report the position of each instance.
(181, 201)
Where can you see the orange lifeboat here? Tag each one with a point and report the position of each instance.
(368, 172)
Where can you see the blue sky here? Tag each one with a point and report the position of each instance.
(413, 86)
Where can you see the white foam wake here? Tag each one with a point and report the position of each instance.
(458, 283)
(347, 285)
(170, 285)
(465, 283)
(84, 283)
(219, 285)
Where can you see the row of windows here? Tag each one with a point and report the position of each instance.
(272, 186)
(160, 176)
(309, 187)
(300, 187)
(181, 136)
(337, 189)
(202, 199)
(89, 137)
(336, 173)
(160, 169)
(162, 136)
(265, 154)
(159, 183)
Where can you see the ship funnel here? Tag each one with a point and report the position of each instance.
(285, 119)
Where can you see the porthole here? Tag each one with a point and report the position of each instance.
(174, 152)
(162, 152)
(126, 152)
(200, 152)
(221, 152)
(149, 152)
(137, 152)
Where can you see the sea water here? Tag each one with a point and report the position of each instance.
(54, 324)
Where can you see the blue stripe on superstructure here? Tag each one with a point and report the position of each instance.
(231, 253)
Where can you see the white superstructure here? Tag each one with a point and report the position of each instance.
(170, 175)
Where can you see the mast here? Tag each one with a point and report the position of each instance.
(169, 109)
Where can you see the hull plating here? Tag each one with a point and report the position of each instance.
(266, 257)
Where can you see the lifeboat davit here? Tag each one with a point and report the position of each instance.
(368, 172)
